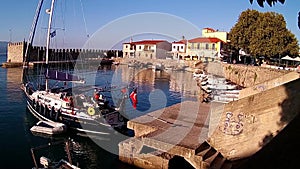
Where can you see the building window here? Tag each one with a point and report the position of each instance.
(198, 45)
(174, 47)
(206, 46)
(140, 47)
(213, 46)
(181, 47)
(126, 46)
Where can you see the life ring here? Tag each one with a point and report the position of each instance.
(91, 111)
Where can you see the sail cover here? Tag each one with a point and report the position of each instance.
(62, 76)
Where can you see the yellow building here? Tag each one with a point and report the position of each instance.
(207, 46)
(211, 33)
(203, 47)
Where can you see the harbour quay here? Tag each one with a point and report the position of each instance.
(236, 134)
(178, 130)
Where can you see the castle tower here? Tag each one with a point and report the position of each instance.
(15, 52)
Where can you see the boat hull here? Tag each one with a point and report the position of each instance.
(79, 124)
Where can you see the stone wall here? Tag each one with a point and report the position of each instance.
(268, 84)
(244, 126)
(15, 52)
(243, 75)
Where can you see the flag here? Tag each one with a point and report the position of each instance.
(52, 34)
(133, 97)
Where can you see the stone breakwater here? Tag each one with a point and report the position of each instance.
(243, 75)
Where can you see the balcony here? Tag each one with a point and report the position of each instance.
(148, 50)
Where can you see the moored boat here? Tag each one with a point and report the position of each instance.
(80, 111)
(49, 127)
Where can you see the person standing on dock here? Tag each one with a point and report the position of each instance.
(133, 97)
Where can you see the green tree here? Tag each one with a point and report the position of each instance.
(263, 34)
(270, 2)
(241, 33)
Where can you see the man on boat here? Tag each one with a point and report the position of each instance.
(98, 98)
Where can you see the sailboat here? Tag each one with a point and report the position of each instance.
(80, 112)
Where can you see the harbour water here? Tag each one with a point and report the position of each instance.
(15, 120)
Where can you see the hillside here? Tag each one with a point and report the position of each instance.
(3, 47)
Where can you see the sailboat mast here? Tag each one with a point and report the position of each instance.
(48, 38)
(32, 31)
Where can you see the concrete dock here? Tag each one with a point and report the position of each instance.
(216, 135)
(178, 131)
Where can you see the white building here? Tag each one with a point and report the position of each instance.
(178, 49)
(147, 49)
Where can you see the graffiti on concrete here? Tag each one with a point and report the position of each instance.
(260, 88)
(233, 126)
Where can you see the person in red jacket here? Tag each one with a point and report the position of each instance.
(133, 97)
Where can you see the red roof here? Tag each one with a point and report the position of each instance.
(210, 29)
(180, 42)
(205, 40)
(146, 42)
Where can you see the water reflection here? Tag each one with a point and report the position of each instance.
(14, 80)
(156, 89)
(175, 81)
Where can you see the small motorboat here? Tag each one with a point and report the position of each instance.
(47, 163)
(47, 127)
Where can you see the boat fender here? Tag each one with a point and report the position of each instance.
(73, 112)
(33, 103)
(52, 111)
(120, 118)
(37, 105)
(91, 111)
(57, 115)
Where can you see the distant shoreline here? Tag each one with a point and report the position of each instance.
(3, 47)
(3, 58)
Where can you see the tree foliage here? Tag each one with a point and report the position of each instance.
(263, 34)
(270, 2)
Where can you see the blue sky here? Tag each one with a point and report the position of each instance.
(94, 15)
